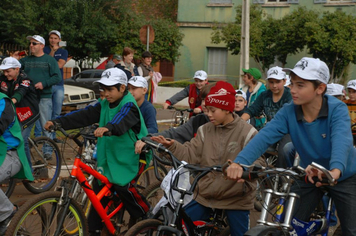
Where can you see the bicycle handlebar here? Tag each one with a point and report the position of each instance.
(179, 109)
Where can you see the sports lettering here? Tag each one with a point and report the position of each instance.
(218, 101)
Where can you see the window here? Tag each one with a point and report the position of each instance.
(334, 1)
(98, 74)
(84, 75)
(217, 63)
(276, 1)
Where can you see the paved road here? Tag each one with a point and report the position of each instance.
(21, 193)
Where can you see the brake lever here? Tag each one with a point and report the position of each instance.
(331, 180)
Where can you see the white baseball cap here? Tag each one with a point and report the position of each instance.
(276, 73)
(56, 32)
(10, 62)
(138, 81)
(37, 38)
(240, 93)
(334, 89)
(352, 84)
(200, 74)
(112, 77)
(311, 69)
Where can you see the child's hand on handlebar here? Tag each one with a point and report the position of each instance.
(48, 125)
(197, 110)
(165, 105)
(234, 172)
(138, 146)
(99, 132)
(162, 140)
(313, 172)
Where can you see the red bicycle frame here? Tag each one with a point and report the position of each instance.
(77, 173)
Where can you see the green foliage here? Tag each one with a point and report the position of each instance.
(92, 29)
(333, 39)
(157, 9)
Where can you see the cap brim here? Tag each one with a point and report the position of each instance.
(200, 78)
(137, 85)
(274, 77)
(245, 70)
(5, 67)
(105, 82)
(29, 37)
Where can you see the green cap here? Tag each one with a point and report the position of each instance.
(256, 73)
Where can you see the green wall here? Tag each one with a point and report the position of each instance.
(195, 18)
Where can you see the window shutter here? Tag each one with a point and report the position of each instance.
(259, 1)
(320, 1)
(220, 1)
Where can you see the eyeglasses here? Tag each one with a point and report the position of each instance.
(34, 43)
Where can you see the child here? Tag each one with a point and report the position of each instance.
(116, 158)
(270, 102)
(351, 102)
(240, 105)
(253, 88)
(138, 88)
(320, 130)
(187, 131)
(145, 70)
(335, 90)
(21, 90)
(13, 159)
(192, 92)
(217, 141)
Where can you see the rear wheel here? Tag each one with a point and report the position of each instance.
(8, 186)
(46, 163)
(40, 216)
(145, 227)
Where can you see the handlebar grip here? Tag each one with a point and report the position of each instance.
(154, 144)
(316, 179)
(107, 133)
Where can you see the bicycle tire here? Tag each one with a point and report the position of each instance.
(145, 227)
(153, 193)
(148, 177)
(8, 186)
(33, 217)
(46, 174)
(262, 230)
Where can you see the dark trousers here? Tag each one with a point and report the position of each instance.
(343, 194)
(134, 202)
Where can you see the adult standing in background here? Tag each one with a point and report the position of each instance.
(61, 56)
(253, 88)
(44, 72)
(145, 70)
(126, 63)
(114, 61)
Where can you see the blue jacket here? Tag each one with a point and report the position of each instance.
(326, 141)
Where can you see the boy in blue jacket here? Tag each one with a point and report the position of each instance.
(319, 127)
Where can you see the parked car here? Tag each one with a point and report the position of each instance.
(85, 79)
(76, 98)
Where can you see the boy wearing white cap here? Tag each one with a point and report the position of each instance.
(319, 127)
(351, 102)
(119, 114)
(192, 92)
(138, 86)
(336, 90)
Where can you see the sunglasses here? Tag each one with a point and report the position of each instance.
(34, 43)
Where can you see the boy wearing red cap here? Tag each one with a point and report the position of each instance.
(216, 142)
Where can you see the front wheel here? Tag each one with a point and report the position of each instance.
(8, 186)
(262, 230)
(145, 227)
(40, 216)
(46, 163)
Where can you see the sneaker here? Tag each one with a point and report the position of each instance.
(47, 156)
(332, 230)
(6, 222)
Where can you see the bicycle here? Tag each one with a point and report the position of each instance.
(180, 116)
(179, 223)
(57, 213)
(46, 167)
(283, 221)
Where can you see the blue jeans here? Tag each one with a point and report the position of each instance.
(38, 129)
(343, 194)
(239, 220)
(26, 134)
(45, 113)
(57, 101)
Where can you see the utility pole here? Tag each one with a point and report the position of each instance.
(245, 39)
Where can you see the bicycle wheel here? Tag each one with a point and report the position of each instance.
(8, 186)
(46, 163)
(148, 177)
(153, 193)
(262, 230)
(40, 215)
(145, 227)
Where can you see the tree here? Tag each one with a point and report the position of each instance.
(270, 38)
(332, 38)
(157, 9)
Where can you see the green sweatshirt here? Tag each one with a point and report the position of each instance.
(42, 69)
(116, 154)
